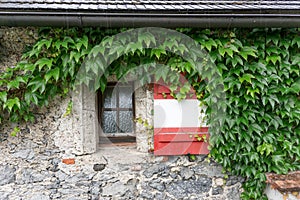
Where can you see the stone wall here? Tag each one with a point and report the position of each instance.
(34, 166)
(42, 161)
(13, 42)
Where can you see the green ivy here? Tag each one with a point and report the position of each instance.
(261, 132)
(48, 69)
(258, 131)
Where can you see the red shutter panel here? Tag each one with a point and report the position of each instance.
(176, 129)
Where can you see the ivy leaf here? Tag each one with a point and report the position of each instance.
(66, 42)
(52, 73)
(272, 50)
(234, 48)
(296, 60)
(31, 97)
(257, 128)
(13, 84)
(44, 62)
(252, 91)
(75, 55)
(43, 42)
(99, 49)
(265, 148)
(254, 157)
(161, 72)
(103, 82)
(229, 52)
(295, 87)
(107, 41)
(27, 66)
(182, 48)
(273, 59)
(180, 96)
(277, 159)
(236, 60)
(243, 120)
(10, 103)
(85, 41)
(296, 40)
(221, 51)
(185, 88)
(288, 145)
(209, 44)
(272, 102)
(33, 52)
(96, 65)
(264, 100)
(57, 44)
(117, 48)
(246, 51)
(37, 83)
(131, 47)
(188, 67)
(3, 96)
(78, 46)
(15, 131)
(157, 52)
(246, 77)
(147, 38)
(22, 79)
(16, 82)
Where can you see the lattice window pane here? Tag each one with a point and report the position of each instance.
(126, 121)
(110, 99)
(125, 94)
(109, 122)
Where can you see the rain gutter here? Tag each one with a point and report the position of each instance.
(210, 20)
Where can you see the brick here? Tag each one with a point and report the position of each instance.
(69, 161)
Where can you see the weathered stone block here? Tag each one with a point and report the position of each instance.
(7, 174)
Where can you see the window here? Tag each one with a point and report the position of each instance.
(116, 113)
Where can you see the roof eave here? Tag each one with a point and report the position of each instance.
(204, 20)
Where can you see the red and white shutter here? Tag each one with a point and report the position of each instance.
(177, 125)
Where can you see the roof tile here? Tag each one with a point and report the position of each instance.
(151, 5)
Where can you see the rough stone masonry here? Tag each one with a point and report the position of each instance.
(40, 162)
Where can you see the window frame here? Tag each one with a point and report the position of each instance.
(118, 137)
